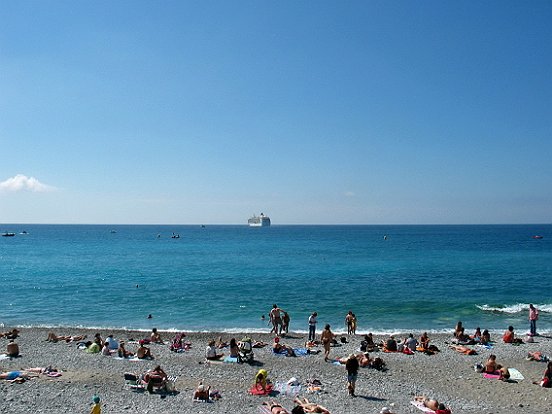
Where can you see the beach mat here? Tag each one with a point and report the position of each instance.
(491, 376)
(287, 389)
(515, 374)
(420, 406)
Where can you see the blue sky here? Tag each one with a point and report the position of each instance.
(320, 112)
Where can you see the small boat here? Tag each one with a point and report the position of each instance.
(6, 234)
(537, 237)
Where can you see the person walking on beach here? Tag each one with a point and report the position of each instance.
(349, 322)
(533, 316)
(312, 326)
(285, 322)
(276, 319)
(352, 372)
(326, 338)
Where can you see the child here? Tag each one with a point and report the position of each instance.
(96, 409)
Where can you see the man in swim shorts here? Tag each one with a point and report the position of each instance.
(276, 319)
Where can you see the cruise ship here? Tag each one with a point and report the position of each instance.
(259, 221)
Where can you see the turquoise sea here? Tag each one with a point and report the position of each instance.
(226, 277)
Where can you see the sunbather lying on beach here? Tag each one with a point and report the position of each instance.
(430, 403)
(13, 334)
(122, 352)
(491, 367)
(15, 375)
(275, 408)
(52, 337)
(279, 348)
(309, 407)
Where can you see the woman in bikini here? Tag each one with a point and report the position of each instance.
(309, 407)
(275, 408)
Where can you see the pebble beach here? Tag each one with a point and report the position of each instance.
(447, 376)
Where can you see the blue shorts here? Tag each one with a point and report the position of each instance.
(351, 377)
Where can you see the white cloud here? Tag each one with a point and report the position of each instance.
(23, 183)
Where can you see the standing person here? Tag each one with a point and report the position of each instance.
(533, 316)
(276, 319)
(326, 338)
(312, 325)
(349, 322)
(352, 371)
(354, 324)
(285, 322)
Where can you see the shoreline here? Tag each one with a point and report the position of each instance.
(447, 376)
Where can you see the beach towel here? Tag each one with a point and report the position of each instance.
(493, 375)
(515, 374)
(231, 360)
(420, 406)
(4, 356)
(258, 390)
(299, 352)
(288, 389)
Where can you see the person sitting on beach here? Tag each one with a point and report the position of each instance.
(143, 352)
(390, 345)
(509, 336)
(201, 393)
(461, 337)
(368, 345)
(458, 329)
(262, 382)
(12, 350)
(98, 339)
(477, 335)
(155, 337)
(546, 381)
(105, 349)
(111, 342)
(275, 408)
(309, 407)
(279, 348)
(424, 341)
(234, 348)
(153, 377)
(211, 352)
(491, 367)
(485, 337)
(122, 352)
(410, 343)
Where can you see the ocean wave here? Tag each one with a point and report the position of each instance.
(516, 308)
